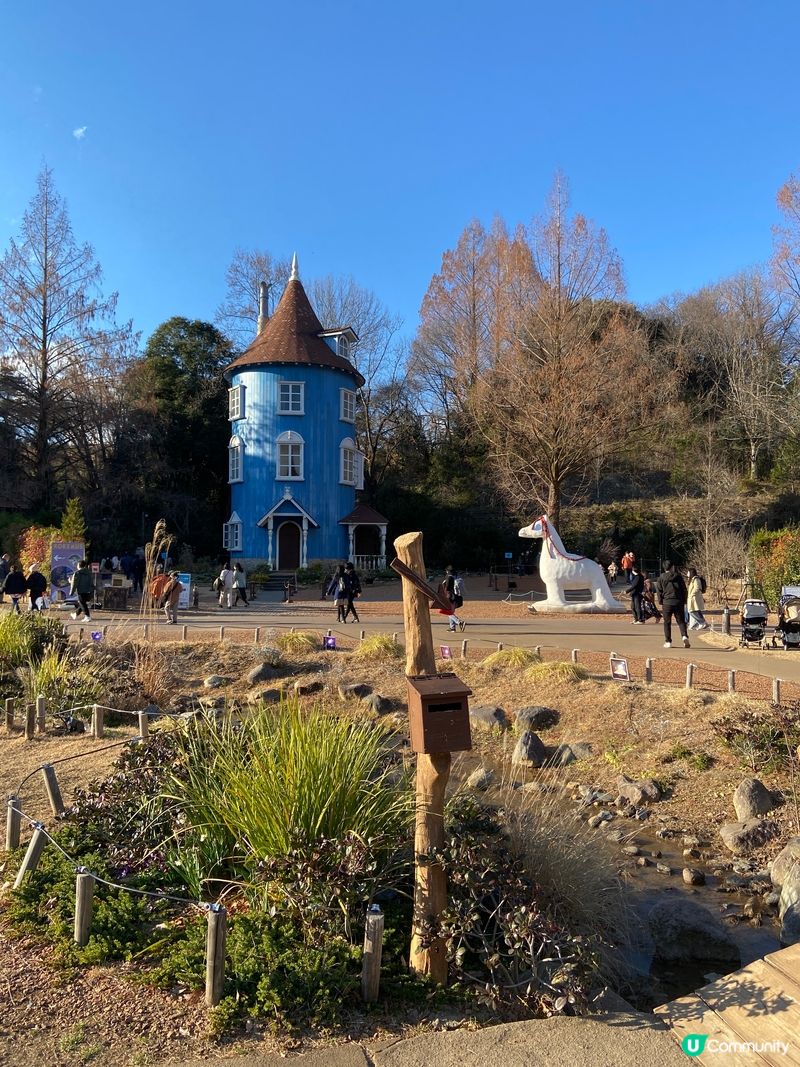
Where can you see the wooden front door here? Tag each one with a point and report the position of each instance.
(288, 547)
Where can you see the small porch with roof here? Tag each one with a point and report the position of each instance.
(289, 550)
(366, 538)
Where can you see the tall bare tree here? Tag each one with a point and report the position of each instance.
(237, 315)
(54, 326)
(786, 257)
(571, 381)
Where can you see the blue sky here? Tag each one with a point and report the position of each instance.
(366, 136)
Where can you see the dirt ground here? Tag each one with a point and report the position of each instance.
(98, 1016)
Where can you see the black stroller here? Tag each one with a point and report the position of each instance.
(753, 619)
(787, 632)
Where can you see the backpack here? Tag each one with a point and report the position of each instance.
(341, 585)
(458, 587)
(702, 583)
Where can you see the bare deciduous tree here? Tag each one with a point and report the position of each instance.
(786, 257)
(237, 315)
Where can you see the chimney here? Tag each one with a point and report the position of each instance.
(263, 306)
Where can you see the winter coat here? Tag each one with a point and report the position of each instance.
(172, 593)
(14, 583)
(636, 585)
(337, 591)
(226, 579)
(82, 581)
(696, 601)
(37, 584)
(352, 584)
(671, 588)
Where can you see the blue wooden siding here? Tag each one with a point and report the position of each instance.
(320, 492)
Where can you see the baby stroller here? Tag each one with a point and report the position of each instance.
(754, 623)
(787, 632)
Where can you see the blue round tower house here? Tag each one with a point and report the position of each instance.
(293, 463)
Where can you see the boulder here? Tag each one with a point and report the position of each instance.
(529, 749)
(535, 718)
(787, 858)
(790, 926)
(748, 835)
(693, 877)
(263, 672)
(266, 696)
(380, 705)
(271, 656)
(488, 715)
(684, 930)
(480, 779)
(637, 792)
(354, 691)
(752, 798)
(214, 681)
(304, 689)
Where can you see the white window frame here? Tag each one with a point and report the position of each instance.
(289, 409)
(289, 440)
(232, 536)
(235, 460)
(236, 403)
(343, 346)
(348, 454)
(347, 399)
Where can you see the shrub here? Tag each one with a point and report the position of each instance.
(556, 671)
(510, 659)
(24, 638)
(776, 561)
(379, 648)
(66, 678)
(34, 547)
(299, 642)
(761, 738)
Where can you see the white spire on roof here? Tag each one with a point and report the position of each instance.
(294, 276)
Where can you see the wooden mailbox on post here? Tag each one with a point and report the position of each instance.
(438, 713)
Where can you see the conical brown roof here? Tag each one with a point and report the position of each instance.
(291, 336)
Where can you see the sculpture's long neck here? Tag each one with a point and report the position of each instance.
(552, 535)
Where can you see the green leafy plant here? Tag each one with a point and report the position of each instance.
(66, 678)
(25, 638)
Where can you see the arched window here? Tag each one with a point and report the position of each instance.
(235, 459)
(343, 345)
(348, 461)
(289, 457)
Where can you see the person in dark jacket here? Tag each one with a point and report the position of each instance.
(338, 590)
(82, 587)
(37, 585)
(671, 593)
(352, 590)
(5, 567)
(635, 588)
(15, 586)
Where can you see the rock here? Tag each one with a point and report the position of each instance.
(752, 798)
(771, 900)
(264, 672)
(214, 681)
(790, 926)
(597, 820)
(563, 755)
(304, 689)
(692, 842)
(488, 715)
(786, 859)
(535, 718)
(529, 749)
(631, 850)
(354, 691)
(271, 656)
(642, 814)
(684, 930)
(637, 792)
(480, 779)
(747, 835)
(693, 877)
(380, 705)
(642, 861)
(604, 798)
(663, 868)
(691, 854)
(616, 835)
(629, 811)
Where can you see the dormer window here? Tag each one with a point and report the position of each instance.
(343, 346)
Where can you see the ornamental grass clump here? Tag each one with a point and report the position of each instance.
(298, 642)
(25, 638)
(510, 659)
(379, 648)
(556, 671)
(66, 679)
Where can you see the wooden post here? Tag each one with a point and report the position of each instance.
(362, 635)
(145, 631)
(575, 652)
(538, 651)
(105, 631)
(256, 635)
(329, 633)
(222, 633)
(689, 675)
(731, 681)
(9, 714)
(41, 714)
(776, 690)
(394, 638)
(144, 724)
(53, 791)
(648, 671)
(499, 646)
(463, 649)
(13, 822)
(98, 729)
(31, 858)
(30, 722)
(84, 898)
(184, 631)
(433, 772)
(80, 634)
(373, 949)
(215, 954)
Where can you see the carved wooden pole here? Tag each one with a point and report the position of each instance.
(433, 772)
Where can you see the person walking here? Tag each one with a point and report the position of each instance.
(650, 611)
(37, 587)
(138, 570)
(613, 571)
(671, 592)
(226, 586)
(352, 591)
(15, 586)
(449, 587)
(170, 598)
(695, 602)
(81, 587)
(5, 567)
(338, 590)
(240, 584)
(635, 588)
(627, 563)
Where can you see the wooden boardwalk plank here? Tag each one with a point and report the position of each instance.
(691, 1015)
